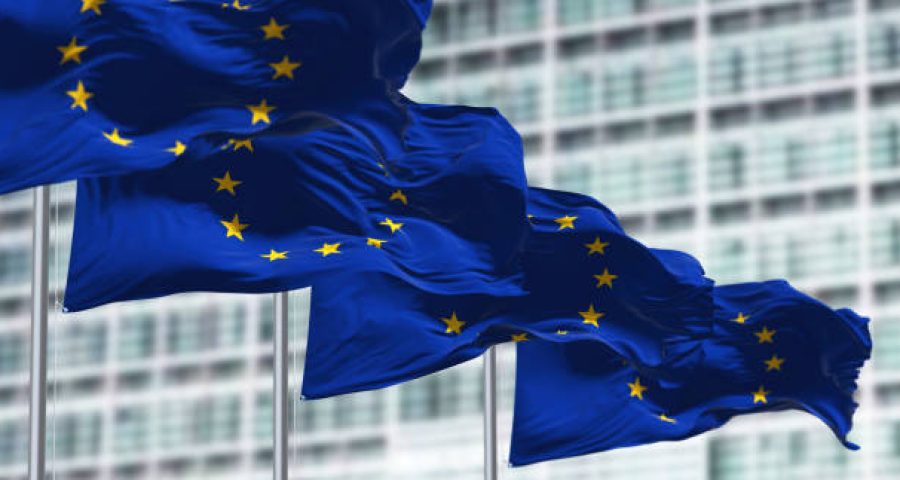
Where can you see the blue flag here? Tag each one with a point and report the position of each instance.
(586, 280)
(771, 348)
(102, 87)
(431, 196)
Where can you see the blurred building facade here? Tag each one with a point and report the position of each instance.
(761, 135)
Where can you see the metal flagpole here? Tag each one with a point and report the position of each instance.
(490, 414)
(39, 296)
(280, 394)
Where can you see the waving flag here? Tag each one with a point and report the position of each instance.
(586, 279)
(280, 147)
(103, 87)
(430, 195)
(771, 348)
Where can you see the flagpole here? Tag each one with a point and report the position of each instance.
(490, 414)
(39, 295)
(280, 393)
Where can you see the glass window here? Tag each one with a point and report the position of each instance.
(79, 343)
(623, 87)
(618, 8)
(729, 459)
(78, 435)
(521, 100)
(520, 15)
(209, 327)
(886, 241)
(778, 61)
(727, 70)
(14, 265)
(886, 357)
(728, 165)
(359, 410)
(440, 395)
(572, 12)
(575, 92)
(200, 421)
(12, 353)
(885, 144)
(884, 47)
(829, 55)
(137, 336)
(674, 81)
(822, 250)
(262, 415)
(473, 20)
(730, 260)
(619, 179)
(132, 428)
(728, 23)
(13, 442)
(671, 174)
(575, 177)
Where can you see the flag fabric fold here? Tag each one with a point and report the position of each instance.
(586, 280)
(96, 88)
(771, 348)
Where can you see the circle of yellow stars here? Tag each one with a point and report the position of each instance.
(80, 95)
(260, 113)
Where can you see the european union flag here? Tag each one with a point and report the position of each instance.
(771, 348)
(273, 143)
(430, 196)
(587, 280)
(105, 87)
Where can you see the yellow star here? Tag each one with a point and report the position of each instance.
(284, 68)
(530, 217)
(236, 4)
(774, 363)
(566, 222)
(93, 5)
(117, 139)
(454, 325)
(596, 246)
(235, 227)
(591, 316)
(759, 396)
(71, 52)
(605, 278)
(329, 249)
(519, 337)
(178, 149)
(261, 112)
(765, 335)
(227, 184)
(667, 419)
(374, 242)
(274, 255)
(80, 96)
(394, 226)
(399, 195)
(562, 332)
(741, 318)
(637, 390)
(239, 144)
(274, 30)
